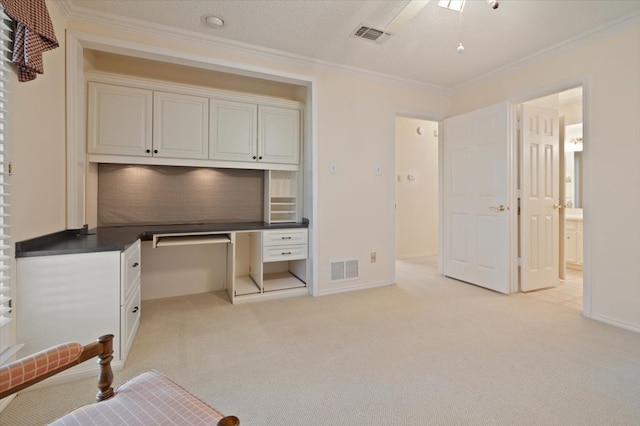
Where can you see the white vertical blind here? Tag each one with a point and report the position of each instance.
(6, 314)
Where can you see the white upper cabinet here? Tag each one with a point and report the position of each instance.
(278, 135)
(119, 120)
(180, 126)
(134, 121)
(255, 133)
(232, 131)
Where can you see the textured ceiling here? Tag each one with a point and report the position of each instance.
(423, 50)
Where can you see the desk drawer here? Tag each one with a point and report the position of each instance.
(284, 237)
(273, 254)
(130, 270)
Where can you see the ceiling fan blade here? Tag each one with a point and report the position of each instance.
(405, 15)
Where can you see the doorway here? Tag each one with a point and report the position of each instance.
(566, 286)
(416, 193)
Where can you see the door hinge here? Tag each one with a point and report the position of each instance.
(10, 168)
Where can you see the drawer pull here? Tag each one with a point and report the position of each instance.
(135, 265)
(135, 309)
(283, 253)
(286, 238)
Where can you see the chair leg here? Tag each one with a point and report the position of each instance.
(105, 379)
(229, 421)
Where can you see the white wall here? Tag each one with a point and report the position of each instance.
(610, 66)
(416, 200)
(38, 144)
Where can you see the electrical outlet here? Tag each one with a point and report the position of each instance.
(373, 257)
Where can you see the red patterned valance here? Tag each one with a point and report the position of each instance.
(34, 35)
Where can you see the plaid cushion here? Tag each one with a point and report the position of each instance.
(18, 372)
(148, 399)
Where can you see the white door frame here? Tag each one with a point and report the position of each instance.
(426, 117)
(585, 82)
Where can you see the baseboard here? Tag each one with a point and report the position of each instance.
(626, 326)
(412, 255)
(355, 287)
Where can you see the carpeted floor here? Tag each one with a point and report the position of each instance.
(427, 351)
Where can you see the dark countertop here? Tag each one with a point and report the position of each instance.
(118, 238)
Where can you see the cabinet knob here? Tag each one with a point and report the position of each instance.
(260, 158)
(254, 157)
(155, 151)
(135, 265)
(135, 309)
(148, 151)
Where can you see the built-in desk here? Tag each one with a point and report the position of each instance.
(263, 260)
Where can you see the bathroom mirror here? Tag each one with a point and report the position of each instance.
(573, 146)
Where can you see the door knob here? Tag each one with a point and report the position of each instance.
(499, 208)
(557, 206)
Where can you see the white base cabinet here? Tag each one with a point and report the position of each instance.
(79, 297)
(270, 263)
(573, 243)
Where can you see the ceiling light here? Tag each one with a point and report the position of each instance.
(456, 5)
(213, 21)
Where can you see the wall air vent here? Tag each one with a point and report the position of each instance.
(344, 271)
(372, 34)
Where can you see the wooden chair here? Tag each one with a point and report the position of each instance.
(149, 398)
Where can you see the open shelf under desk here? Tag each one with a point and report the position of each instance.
(281, 281)
(245, 285)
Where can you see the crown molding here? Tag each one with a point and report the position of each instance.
(554, 50)
(123, 24)
(143, 28)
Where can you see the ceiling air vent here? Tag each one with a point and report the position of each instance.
(372, 34)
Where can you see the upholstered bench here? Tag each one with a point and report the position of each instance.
(148, 399)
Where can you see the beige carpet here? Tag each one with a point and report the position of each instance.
(427, 351)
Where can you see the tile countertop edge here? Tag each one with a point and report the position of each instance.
(118, 238)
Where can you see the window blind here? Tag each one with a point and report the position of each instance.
(6, 314)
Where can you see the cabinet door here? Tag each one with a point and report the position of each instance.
(232, 131)
(130, 271)
(129, 321)
(119, 120)
(571, 242)
(180, 126)
(278, 135)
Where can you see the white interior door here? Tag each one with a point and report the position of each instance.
(540, 198)
(476, 182)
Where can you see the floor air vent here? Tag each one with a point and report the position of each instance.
(344, 271)
(372, 34)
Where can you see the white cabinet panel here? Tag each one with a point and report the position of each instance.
(78, 297)
(119, 120)
(285, 237)
(130, 315)
(278, 253)
(573, 243)
(278, 135)
(73, 297)
(130, 271)
(232, 131)
(180, 126)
